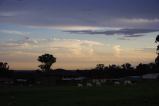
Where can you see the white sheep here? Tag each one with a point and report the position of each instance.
(116, 83)
(103, 80)
(80, 85)
(89, 85)
(98, 83)
(94, 80)
(127, 82)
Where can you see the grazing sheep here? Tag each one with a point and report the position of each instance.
(127, 82)
(95, 81)
(80, 85)
(116, 83)
(89, 85)
(98, 83)
(103, 81)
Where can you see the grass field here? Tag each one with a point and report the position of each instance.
(141, 94)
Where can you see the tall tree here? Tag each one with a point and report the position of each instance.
(4, 66)
(47, 60)
(4, 69)
(157, 39)
(157, 51)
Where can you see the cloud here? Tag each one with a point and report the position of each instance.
(149, 50)
(9, 14)
(125, 32)
(18, 45)
(123, 38)
(117, 50)
(135, 35)
(14, 32)
(139, 20)
(74, 47)
(55, 13)
(76, 27)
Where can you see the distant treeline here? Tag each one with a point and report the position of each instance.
(100, 70)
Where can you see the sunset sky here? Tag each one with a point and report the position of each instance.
(79, 33)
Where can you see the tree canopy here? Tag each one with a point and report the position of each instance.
(157, 51)
(157, 39)
(47, 60)
(4, 66)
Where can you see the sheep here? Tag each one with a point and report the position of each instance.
(98, 83)
(103, 80)
(80, 85)
(127, 82)
(95, 80)
(116, 83)
(89, 85)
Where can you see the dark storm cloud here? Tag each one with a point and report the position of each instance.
(79, 12)
(125, 32)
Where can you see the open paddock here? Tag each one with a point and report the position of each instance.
(141, 94)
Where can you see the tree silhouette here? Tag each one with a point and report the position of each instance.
(157, 39)
(100, 67)
(47, 60)
(157, 51)
(4, 69)
(127, 67)
(4, 66)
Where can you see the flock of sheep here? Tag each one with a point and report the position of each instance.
(101, 82)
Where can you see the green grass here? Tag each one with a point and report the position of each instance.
(141, 94)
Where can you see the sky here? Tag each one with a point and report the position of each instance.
(79, 33)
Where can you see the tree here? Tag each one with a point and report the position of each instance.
(47, 60)
(157, 60)
(157, 51)
(4, 69)
(157, 39)
(100, 67)
(127, 66)
(4, 66)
